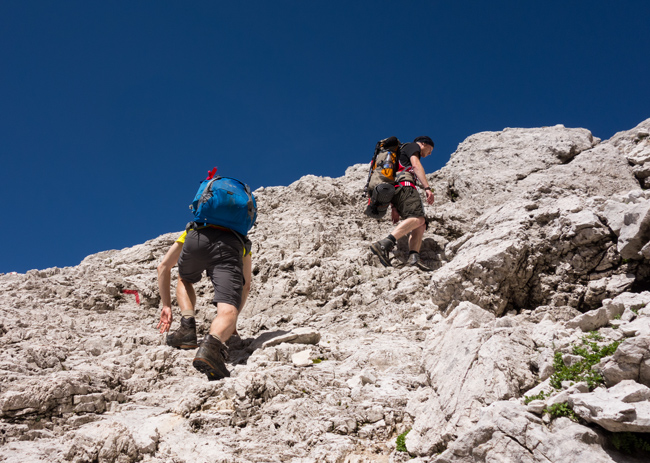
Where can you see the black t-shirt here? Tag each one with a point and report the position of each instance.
(404, 163)
(405, 153)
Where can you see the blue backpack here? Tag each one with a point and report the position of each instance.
(226, 202)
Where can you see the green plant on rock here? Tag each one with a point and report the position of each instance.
(541, 396)
(581, 370)
(563, 409)
(400, 443)
(590, 354)
(594, 335)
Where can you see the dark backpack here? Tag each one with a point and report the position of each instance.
(226, 202)
(380, 186)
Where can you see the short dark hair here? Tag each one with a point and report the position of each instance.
(425, 140)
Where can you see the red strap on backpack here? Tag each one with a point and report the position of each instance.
(211, 173)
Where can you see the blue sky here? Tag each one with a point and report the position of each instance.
(112, 112)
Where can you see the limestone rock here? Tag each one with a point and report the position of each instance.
(480, 364)
(631, 361)
(621, 408)
(626, 301)
(302, 358)
(296, 336)
(635, 232)
(506, 432)
(590, 321)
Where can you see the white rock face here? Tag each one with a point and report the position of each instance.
(536, 236)
(506, 431)
(621, 408)
(465, 357)
(302, 358)
(631, 361)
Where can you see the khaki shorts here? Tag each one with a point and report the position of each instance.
(408, 202)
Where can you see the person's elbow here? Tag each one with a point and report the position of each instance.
(164, 269)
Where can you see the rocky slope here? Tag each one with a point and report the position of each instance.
(539, 240)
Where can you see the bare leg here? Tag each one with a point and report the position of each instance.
(210, 358)
(223, 326)
(415, 240)
(407, 226)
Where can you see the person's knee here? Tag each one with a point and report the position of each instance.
(184, 285)
(417, 222)
(226, 310)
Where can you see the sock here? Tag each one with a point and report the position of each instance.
(187, 313)
(392, 238)
(413, 252)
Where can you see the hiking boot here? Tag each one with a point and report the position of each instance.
(211, 358)
(413, 259)
(419, 264)
(381, 249)
(185, 336)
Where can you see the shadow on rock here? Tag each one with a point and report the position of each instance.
(241, 349)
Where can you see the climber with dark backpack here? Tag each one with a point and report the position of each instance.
(404, 197)
(380, 186)
(215, 242)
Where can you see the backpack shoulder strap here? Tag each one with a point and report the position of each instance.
(207, 191)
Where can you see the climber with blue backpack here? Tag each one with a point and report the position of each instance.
(216, 242)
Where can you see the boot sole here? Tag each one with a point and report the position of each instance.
(382, 259)
(205, 367)
(185, 346)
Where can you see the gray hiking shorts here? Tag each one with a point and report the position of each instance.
(219, 254)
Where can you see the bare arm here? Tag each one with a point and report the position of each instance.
(164, 285)
(394, 215)
(418, 170)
